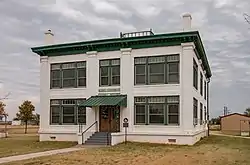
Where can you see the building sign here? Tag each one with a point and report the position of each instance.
(109, 91)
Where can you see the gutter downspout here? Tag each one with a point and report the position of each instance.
(208, 132)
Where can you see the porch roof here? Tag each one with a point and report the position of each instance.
(94, 101)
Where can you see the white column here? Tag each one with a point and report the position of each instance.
(127, 85)
(44, 92)
(187, 87)
(92, 84)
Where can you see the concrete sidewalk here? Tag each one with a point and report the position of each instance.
(220, 134)
(38, 154)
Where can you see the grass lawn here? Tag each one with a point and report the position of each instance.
(214, 150)
(22, 144)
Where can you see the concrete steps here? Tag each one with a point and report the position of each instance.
(99, 138)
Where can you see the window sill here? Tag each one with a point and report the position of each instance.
(157, 125)
(154, 85)
(105, 86)
(196, 90)
(69, 88)
(64, 124)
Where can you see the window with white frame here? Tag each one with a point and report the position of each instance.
(67, 111)
(157, 110)
(156, 69)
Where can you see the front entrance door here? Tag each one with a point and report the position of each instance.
(109, 119)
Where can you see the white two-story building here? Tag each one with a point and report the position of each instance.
(159, 82)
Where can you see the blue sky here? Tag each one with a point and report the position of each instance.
(225, 34)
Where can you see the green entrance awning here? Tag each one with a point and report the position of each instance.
(94, 101)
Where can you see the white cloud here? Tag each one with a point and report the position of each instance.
(240, 64)
(223, 3)
(107, 7)
(68, 11)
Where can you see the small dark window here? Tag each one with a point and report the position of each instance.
(55, 115)
(140, 114)
(156, 113)
(195, 74)
(81, 114)
(205, 90)
(195, 111)
(201, 84)
(173, 114)
(201, 113)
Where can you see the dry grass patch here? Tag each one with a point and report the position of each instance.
(19, 129)
(23, 144)
(214, 150)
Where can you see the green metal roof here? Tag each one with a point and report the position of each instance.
(95, 101)
(157, 40)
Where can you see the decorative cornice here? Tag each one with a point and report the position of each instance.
(126, 51)
(115, 44)
(44, 58)
(188, 45)
(91, 53)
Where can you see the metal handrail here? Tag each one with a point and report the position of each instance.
(134, 34)
(88, 129)
(80, 127)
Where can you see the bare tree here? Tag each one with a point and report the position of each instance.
(3, 113)
(5, 96)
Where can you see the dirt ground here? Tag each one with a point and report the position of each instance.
(215, 150)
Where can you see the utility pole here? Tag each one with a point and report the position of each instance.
(226, 111)
(246, 17)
